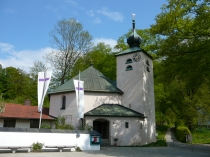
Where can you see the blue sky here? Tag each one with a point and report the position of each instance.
(25, 24)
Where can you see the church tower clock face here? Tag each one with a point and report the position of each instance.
(136, 57)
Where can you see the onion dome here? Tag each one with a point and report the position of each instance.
(134, 39)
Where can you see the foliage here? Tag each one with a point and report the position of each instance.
(78, 149)
(179, 122)
(201, 135)
(182, 74)
(181, 132)
(17, 85)
(148, 40)
(70, 42)
(61, 124)
(2, 107)
(85, 127)
(45, 126)
(161, 131)
(37, 147)
(102, 59)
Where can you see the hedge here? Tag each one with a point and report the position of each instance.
(181, 133)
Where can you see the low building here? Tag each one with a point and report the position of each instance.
(24, 116)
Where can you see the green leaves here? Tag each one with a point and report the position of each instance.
(183, 50)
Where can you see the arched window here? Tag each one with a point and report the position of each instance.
(63, 102)
(128, 61)
(129, 67)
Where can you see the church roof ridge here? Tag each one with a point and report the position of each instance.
(94, 81)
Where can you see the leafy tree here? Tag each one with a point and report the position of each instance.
(182, 47)
(38, 67)
(148, 40)
(101, 57)
(70, 42)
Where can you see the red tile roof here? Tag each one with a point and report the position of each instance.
(24, 112)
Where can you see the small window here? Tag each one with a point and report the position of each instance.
(126, 125)
(129, 105)
(63, 103)
(141, 126)
(148, 69)
(129, 61)
(129, 68)
(147, 62)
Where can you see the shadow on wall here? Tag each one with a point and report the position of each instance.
(106, 100)
(134, 134)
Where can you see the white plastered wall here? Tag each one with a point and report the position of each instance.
(138, 87)
(21, 123)
(133, 135)
(91, 101)
(49, 139)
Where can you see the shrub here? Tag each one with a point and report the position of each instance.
(46, 127)
(61, 124)
(2, 107)
(181, 133)
(37, 147)
(85, 127)
(78, 149)
(178, 123)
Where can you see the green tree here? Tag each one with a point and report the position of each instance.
(101, 57)
(33, 72)
(148, 40)
(70, 42)
(182, 47)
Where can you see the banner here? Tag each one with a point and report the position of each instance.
(79, 89)
(43, 84)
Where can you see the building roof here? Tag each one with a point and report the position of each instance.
(93, 81)
(19, 111)
(113, 110)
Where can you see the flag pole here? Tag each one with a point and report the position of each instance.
(42, 100)
(40, 118)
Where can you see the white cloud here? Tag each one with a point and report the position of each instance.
(21, 59)
(97, 20)
(5, 47)
(109, 41)
(90, 13)
(116, 16)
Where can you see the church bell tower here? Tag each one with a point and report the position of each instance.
(135, 79)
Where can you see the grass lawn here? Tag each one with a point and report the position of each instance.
(201, 135)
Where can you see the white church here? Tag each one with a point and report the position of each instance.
(125, 110)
